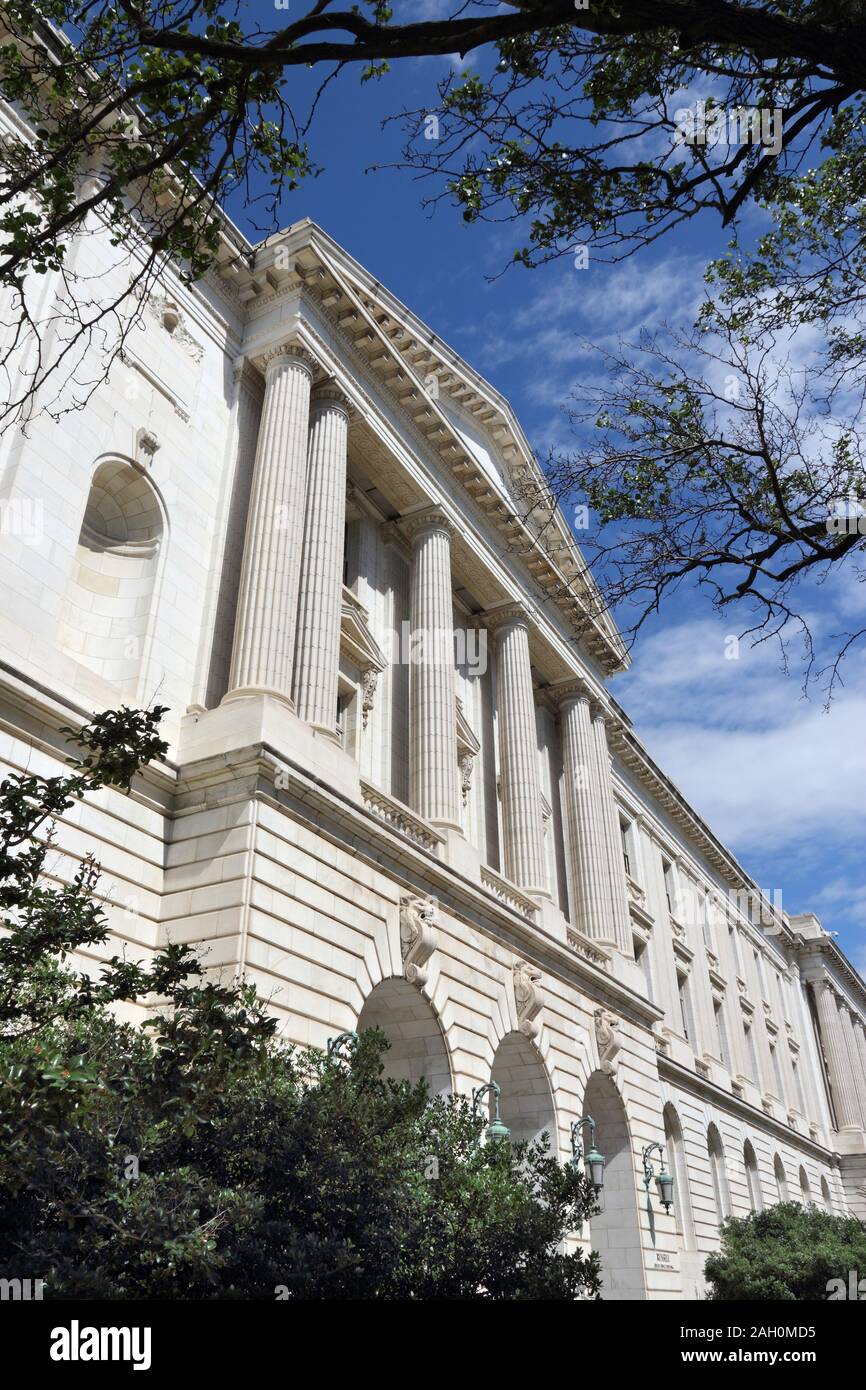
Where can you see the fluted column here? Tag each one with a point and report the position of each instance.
(264, 640)
(432, 709)
(836, 1054)
(860, 1035)
(317, 648)
(617, 904)
(585, 817)
(522, 824)
(858, 1080)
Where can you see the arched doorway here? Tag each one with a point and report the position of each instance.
(805, 1190)
(781, 1178)
(615, 1230)
(417, 1042)
(526, 1100)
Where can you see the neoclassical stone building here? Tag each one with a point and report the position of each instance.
(399, 791)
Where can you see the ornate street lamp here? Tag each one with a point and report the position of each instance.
(664, 1182)
(593, 1161)
(496, 1128)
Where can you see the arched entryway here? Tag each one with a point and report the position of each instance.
(417, 1042)
(526, 1100)
(615, 1229)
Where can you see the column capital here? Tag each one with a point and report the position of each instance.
(288, 354)
(418, 524)
(569, 691)
(508, 615)
(329, 396)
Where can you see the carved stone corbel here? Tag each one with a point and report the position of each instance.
(528, 998)
(466, 761)
(606, 1030)
(418, 938)
(369, 681)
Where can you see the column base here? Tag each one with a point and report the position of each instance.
(850, 1139)
(241, 724)
(445, 826)
(248, 692)
(541, 895)
(325, 731)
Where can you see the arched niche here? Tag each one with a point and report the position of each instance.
(781, 1178)
(753, 1177)
(615, 1228)
(108, 605)
(526, 1100)
(418, 1049)
(718, 1173)
(676, 1157)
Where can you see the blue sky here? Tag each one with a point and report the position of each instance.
(780, 780)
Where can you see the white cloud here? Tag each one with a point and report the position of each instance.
(767, 768)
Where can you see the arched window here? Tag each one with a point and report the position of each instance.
(781, 1179)
(825, 1196)
(753, 1177)
(107, 610)
(676, 1157)
(716, 1152)
(805, 1190)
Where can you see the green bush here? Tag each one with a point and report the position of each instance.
(788, 1252)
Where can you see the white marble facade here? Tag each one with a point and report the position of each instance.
(398, 788)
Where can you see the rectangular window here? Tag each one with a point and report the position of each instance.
(642, 957)
(798, 1088)
(704, 919)
(782, 1004)
(759, 971)
(688, 1020)
(777, 1071)
(722, 1033)
(734, 942)
(670, 893)
(751, 1053)
(625, 835)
